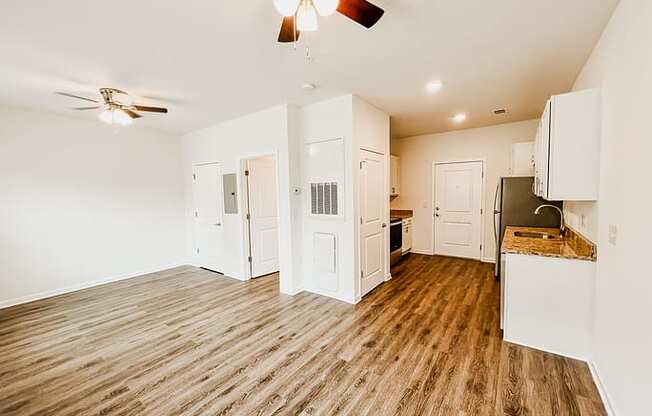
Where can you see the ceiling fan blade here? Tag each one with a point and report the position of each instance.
(361, 11)
(288, 31)
(65, 94)
(97, 107)
(131, 113)
(150, 109)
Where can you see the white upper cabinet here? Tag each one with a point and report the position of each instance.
(567, 149)
(395, 176)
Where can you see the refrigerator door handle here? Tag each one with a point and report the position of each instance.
(496, 211)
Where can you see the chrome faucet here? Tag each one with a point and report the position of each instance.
(562, 227)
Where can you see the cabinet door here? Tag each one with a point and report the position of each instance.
(407, 235)
(395, 169)
(544, 153)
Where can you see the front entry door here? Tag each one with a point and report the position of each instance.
(373, 245)
(207, 192)
(263, 215)
(458, 209)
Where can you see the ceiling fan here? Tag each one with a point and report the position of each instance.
(115, 112)
(301, 15)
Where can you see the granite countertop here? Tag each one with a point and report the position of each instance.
(571, 246)
(401, 213)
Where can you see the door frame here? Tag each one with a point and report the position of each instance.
(243, 186)
(385, 198)
(433, 188)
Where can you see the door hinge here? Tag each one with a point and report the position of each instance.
(360, 220)
(248, 216)
(250, 259)
(197, 250)
(196, 214)
(194, 177)
(481, 211)
(480, 246)
(247, 172)
(361, 273)
(360, 165)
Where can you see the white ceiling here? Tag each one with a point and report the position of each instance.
(214, 60)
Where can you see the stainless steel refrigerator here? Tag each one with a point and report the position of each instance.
(514, 204)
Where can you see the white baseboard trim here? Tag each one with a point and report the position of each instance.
(62, 291)
(388, 277)
(551, 351)
(332, 296)
(488, 260)
(424, 252)
(601, 388)
(292, 292)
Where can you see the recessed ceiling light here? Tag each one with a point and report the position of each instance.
(434, 86)
(460, 117)
(308, 87)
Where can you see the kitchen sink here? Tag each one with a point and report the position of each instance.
(532, 234)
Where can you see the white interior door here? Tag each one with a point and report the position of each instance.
(458, 209)
(373, 245)
(263, 212)
(207, 190)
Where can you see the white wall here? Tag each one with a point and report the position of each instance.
(418, 155)
(83, 203)
(328, 120)
(621, 65)
(265, 132)
(287, 131)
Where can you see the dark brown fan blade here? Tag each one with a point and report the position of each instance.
(87, 108)
(361, 11)
(150, 109)
(65, 94)
(288, 31)
(131, 113)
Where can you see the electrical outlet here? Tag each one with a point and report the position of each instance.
(613, 234)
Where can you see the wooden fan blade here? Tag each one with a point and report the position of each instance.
(97, 107)
(361, 11)
(150, 109)
(288, 31)
(65, 94)
(131, 113)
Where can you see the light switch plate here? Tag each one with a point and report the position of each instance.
(613, 234)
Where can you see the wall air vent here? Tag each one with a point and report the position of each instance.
(500, 111)
(323, 198)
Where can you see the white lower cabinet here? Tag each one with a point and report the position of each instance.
(407, 235)
(547, 303)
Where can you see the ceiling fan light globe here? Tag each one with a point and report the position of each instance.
(326, 7)
(106, 116)
(286, 7)
(115, 116)
(121, 118)
(307, 18)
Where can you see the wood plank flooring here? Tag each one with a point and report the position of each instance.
(190, 342)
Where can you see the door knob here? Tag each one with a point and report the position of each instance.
(437, 215)
(384, 225)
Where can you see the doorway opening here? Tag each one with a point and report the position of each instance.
(261, 215)
(458, 208)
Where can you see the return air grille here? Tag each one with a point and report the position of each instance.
(323, 198)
